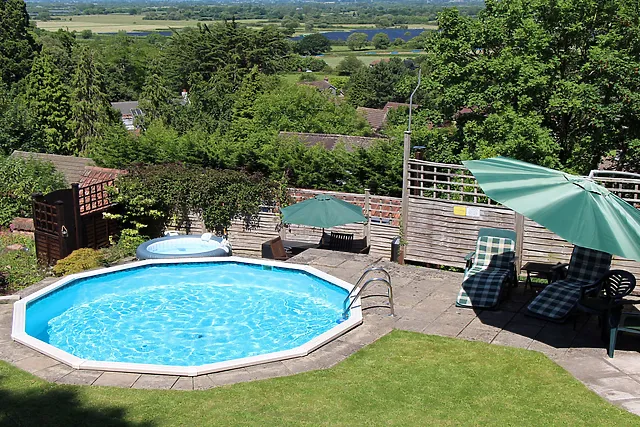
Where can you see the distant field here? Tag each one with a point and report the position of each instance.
(432, 26)
(123, 22)
(334, 60)
(111, 23)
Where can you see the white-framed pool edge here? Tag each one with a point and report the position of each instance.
(18, 331)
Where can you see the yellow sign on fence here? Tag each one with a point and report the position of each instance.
(460, 210)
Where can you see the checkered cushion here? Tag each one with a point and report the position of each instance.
(482, 287)
(492, 265)
(588, 265)
(557, 300)
(494, 252)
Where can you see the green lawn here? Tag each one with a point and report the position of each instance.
(405, 379)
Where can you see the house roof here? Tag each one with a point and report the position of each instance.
(374, 116)
(377, 61)
(329, 141)
(395, 105)
(320, 84)
(94, 174)
(125, 107)
(72, 168)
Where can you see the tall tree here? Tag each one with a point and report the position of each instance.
(17, 45)
(313, 44)
(569, 67)
(156, 97)
(357, 41)
(381, 41)
(48, 100)
(90, 105)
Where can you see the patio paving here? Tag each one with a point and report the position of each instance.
(424, 302)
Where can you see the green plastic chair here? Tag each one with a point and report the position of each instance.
(630, 323)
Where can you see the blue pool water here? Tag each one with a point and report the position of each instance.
(186, 314)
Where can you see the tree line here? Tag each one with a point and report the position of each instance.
(551, 83)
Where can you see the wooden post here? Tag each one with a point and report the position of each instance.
(36, 197)
(405, 192)
(367, 213)
(519, 227)
(75, 189)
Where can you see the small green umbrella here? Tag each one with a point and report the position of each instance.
(322, 211)
(574, 207)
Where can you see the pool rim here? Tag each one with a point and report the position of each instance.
(143, 253)
(18, 330)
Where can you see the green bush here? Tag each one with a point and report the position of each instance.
(19, 179)
(79, 260)
(151, 196)
(125, 247)
(19, 268)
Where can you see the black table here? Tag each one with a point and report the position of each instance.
(539, 269)
(292, 246)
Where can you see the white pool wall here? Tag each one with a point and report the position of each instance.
(18, 332)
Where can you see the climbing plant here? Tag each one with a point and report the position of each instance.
(153, 196)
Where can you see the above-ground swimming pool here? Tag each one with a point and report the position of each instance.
(184, 247)
(185, 317)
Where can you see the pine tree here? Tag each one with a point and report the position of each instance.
(155, 98)
(48, 100)
(17, 45)
(90, 105)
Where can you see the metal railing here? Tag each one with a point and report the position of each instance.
(352, 298)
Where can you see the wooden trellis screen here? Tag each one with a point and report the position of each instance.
(65, 220)
(447, 208)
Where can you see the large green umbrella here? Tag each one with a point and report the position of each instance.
(322, 211)
(574, 207)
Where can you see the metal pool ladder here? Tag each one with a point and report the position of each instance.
(351, 298)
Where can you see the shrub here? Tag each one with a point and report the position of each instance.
(153, 195)
(79, 260)
(19, 179)
(126, 246)
(19, 268)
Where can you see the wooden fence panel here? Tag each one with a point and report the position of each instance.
(541, 245)
(381, 237)
(248, 241)
(384, 212)
(442, 232)
(435, 235)
(47, 247)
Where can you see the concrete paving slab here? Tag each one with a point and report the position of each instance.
(229, 377)
(588, 367)
(615, 388)
(80, 377)
(155, 382)
(629, 363)
(478, 334)
(632, 405)
(35, 363)
(183, 383)
(512, 339)
(117, 379)
(55, 372)
(268, 370)
(202, 382)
